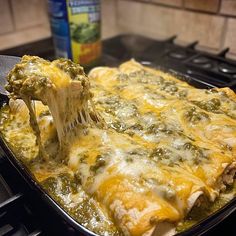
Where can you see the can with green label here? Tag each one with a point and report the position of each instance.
(76, 29)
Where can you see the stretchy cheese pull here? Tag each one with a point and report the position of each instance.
(61, 85)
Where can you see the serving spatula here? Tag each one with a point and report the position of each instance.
(6, 64)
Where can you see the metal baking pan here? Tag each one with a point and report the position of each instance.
(198, 229)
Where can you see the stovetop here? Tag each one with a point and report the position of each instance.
(21, 211)
(211, 69)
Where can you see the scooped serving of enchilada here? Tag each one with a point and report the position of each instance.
(125, 151)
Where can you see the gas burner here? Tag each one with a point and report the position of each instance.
(200, 60)
(206, 65)
(178, 55)
(227, 68)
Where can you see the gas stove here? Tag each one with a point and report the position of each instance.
(21, 211)
(205, 68)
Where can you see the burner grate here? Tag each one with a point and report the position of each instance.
(213, 70)
(15, 217)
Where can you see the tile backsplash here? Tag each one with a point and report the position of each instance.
(211, 22)
(29, 13)
(202, 5)
(22, 21)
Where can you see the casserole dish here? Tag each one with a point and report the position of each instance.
(5, 148)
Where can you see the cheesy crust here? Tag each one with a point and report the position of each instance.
(167, 148)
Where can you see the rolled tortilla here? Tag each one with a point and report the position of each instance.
(168, 229)
(134, 211)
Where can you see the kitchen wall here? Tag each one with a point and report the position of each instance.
(212, 22)
(22, 21)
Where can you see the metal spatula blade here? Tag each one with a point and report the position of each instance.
(6, 64)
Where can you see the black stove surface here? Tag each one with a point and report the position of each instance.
(21, 211)
(213, 70)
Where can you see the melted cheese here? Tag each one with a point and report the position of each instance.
(52, 83)
(166, 143)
